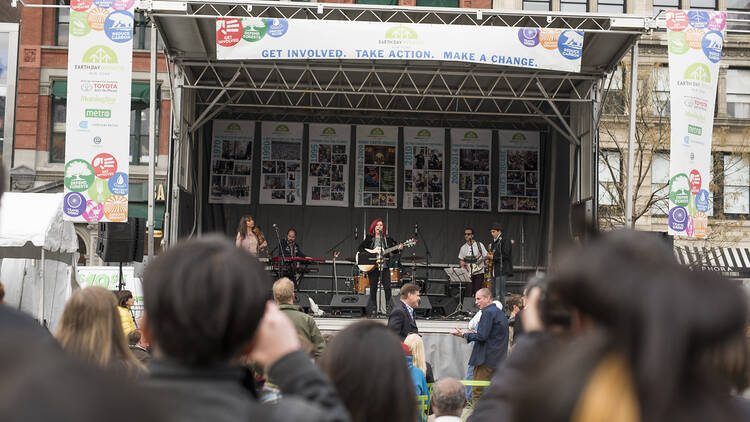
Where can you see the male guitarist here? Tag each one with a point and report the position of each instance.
(378, 238)
(501, 254)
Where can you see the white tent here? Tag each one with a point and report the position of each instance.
(39, 252)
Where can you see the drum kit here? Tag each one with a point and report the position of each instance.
(398, 278)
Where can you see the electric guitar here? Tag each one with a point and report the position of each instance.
(376, 257)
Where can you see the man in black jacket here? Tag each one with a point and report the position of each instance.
(206, 310)
(501, 251)
(401, 320)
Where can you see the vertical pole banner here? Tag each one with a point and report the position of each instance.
(100, 56)
(377, 161)
(424, 151)
(519, 171)
(328, 173)
(281, 155)
(695, 39)
(471, 152)
(231, 162)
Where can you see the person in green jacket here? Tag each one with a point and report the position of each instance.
(283, 294)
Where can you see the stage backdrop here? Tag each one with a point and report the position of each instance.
(231, 162)
(424, 162)
(519, 171)
(471, 157)
(377, 164)
(281, 163)
(328, 173)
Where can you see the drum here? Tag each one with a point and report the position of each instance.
(361, 282)
(395, 275)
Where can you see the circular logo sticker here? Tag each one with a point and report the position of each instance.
(123, 4)
(253, 29)
(99, 191)
(228, 32)
(277, 27)
(116, 208)
(701, 200)
(81, 5)
(93, 211)
(105, 165)
(548, 38)
(689, 228)
(718, 21)
(119, 26)
(96, 18)
(700, 225)
(677, 20)
(678, 219)
(79, 175)
(79, 25)
(711, 44)
(693, 37)
(695, 181)
(104, 3)
(570, 44)
(677, 43)
(679, 190)
(698, 18)
(529, 37)
(74, 204)
(118, 184)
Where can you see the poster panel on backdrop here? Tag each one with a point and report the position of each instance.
(424, 162)
(377, 164)
(519, 171)
(302, 39)
(231, 162)
(328, 172)
(694, 40)
(471, 157)
(97, 123)
(281, 163)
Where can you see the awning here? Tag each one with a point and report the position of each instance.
(140, 210)
(138, 92)
(725, 260)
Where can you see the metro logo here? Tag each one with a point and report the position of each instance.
(98, 113)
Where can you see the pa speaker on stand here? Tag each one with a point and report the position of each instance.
(121, 242)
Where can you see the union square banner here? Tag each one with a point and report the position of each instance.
(279, 39)
(695, 39)
(100, 56)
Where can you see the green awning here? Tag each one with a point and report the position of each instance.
(140, 210)
(138, 92)
(381, 2)
(438, 3)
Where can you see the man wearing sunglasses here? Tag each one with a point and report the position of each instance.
(471, 258)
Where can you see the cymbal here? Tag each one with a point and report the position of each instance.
(412, 258)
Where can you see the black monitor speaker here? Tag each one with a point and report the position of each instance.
(121, 242)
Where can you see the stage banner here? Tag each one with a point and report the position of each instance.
(424, 152)
(471, 152)
(303, 39)
(519, 171)
(695, 40)
(281, 163)
(97, 142)
(377, 162)
(231, 161)
(328, 173)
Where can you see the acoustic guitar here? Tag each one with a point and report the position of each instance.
(375, 257)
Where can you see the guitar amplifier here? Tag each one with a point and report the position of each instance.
(349, 305)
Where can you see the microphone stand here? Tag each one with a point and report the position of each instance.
(335, 279)
(281, 250)
(427, 260)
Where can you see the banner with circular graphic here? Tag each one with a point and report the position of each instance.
(281, 163)
(424, 162)
(328, 172)
(519, 171)
(694, 40)
(97, 140)
(377, 164)
(300, 39)
(471, 163)
(231, 162)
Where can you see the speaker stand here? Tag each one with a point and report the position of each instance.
(120, 282)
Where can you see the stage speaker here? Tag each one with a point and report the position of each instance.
(443, 305)
(424, 309)
(469, 305)
(349, 305)
(303, 301)
(121, 242)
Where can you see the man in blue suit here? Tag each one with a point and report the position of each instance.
(490, 340)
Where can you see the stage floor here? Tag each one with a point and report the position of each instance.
(431, 326)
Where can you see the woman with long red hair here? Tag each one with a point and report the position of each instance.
(377, 237)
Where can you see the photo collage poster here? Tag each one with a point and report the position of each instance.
(231, 162)
(471, 152)
(377, 161)
(328, 173)
(424, 162)
(281, 163)
(519, 171)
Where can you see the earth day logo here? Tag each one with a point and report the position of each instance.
(282, 128)
(401, 32)
(233, 127)
(424, 133)
(471, 135)
(698, 72)
(329, 131)
(377, 132)
(519, 137)
(100, 54)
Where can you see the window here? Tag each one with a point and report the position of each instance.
(660, 5)
(63, 19)
(611, 6)
(660, 183)
(703, 4)
(738, 93)
(609, 177)
(660, 98)
(574, 5)
(57, 137)
(539, 5)
(736, 184)
(615, 102)
(139, 133)
(738, 21)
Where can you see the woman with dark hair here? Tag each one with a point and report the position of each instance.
(366, 364)
(377, 237)
(249, 237)
(125, 301)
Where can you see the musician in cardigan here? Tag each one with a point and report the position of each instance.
(290, 249)
(377, 237)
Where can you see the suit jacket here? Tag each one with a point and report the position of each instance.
(400, 321)
(491, 338)
(503, 256)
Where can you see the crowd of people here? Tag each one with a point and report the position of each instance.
(616, 331)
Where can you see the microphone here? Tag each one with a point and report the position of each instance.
(416, 229)
(274, 225)
(356, 229)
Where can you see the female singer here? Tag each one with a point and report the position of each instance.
(377, 237)
(249, 237)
